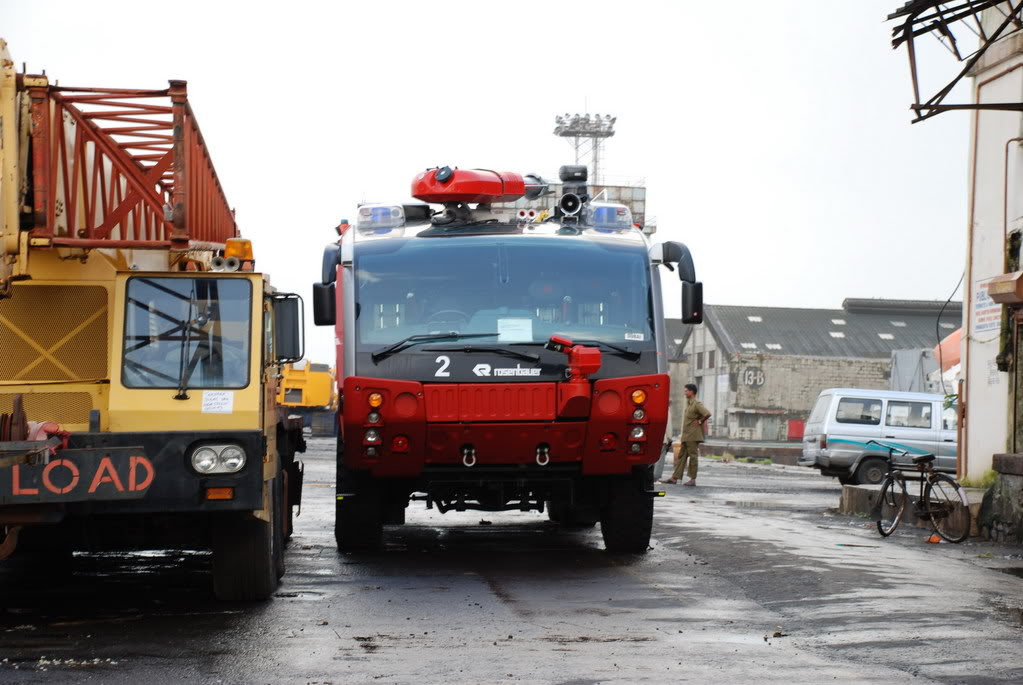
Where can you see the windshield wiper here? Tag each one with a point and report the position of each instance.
(493, 350)
(617, 349)
(426, 337)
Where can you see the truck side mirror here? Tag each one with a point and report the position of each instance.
(289, 327)
(692, 302)
(324, 304)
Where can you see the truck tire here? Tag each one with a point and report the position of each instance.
(358, 518)
(245, 556)
(280, 519)
(627, 518)
(871, 471)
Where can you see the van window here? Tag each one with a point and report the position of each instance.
(949, 420)
(820, 409)
(857, 410)
(908, 414)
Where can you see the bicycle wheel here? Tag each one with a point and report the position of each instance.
(949, 510)
(891, 505)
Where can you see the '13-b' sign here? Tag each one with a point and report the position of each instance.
(752, 376)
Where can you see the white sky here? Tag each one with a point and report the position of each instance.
(774, 137)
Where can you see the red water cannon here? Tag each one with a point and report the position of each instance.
(574, 393)
(445, 185)
(582, 360)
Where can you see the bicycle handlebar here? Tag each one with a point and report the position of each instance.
(891, 449)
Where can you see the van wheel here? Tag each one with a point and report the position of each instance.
(847, 480)
(871, 471)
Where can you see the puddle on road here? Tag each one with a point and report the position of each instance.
(1013, 615)
(768, 506)
(1012, 571)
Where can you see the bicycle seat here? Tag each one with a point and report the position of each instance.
(923, 458)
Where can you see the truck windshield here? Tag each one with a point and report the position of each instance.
(524, 289)
(190, 332)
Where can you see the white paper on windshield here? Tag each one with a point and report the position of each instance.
(514, 330)
(635, 336)
(217, 402)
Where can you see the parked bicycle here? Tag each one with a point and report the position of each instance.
(942, 501)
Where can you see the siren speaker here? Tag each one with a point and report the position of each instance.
(217, 263)
(570, 204)
(232, 264)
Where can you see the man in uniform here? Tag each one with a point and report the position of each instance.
(693, 420)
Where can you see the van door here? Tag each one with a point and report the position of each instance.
(856, 420)
(946, 448)
(911, 425)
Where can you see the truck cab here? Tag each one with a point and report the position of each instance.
(493, 361)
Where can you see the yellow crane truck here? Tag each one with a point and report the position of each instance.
(140, 350)
(310, 392)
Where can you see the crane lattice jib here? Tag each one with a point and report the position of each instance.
(122, 169)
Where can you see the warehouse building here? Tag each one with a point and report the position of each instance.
(759, 369)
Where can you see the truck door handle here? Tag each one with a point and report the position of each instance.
(889, 436)
(948, 440)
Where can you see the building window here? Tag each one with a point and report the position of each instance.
(899, 324)
(838, 322)
(710, 359)
(945, 324)
(773, 346)
(748, 346)
(747, 420)
(886, 336)
(755, 319)
(861, 411)
(837, 334)
(699, 360)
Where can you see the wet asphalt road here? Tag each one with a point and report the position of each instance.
(480, 598)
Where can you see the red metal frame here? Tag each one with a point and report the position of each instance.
(122, 168)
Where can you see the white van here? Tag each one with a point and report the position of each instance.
(844, 419)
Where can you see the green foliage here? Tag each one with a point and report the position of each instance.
(984, 482)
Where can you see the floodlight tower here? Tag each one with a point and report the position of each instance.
(587, 134)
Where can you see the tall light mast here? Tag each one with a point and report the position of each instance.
(587, 134)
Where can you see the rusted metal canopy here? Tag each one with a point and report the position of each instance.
(955, 24)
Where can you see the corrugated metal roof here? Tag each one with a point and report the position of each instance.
(869, 329)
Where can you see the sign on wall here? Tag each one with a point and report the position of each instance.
(752, 376)
(987, 314)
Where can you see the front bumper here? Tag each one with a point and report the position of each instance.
(139, 473)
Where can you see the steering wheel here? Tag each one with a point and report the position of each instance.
(445, 314)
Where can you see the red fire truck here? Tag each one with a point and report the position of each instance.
(495, 359)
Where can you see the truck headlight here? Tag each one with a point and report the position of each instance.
(204, 460)
(232, 458)
(213, 459)
(637, 433)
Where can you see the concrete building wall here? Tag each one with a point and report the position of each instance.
(771, 390)
(994, 198)
(709, 371)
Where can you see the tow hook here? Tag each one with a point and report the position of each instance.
(469, 456)
(543, 455)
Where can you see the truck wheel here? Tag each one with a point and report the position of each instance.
(280, 499)
(245, 551)
(358, 518)
(627, 519)
(871, 471)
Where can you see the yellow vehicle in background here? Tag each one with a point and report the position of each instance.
(139, 348)
(310, 392)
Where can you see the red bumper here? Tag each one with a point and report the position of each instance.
(421, 425)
